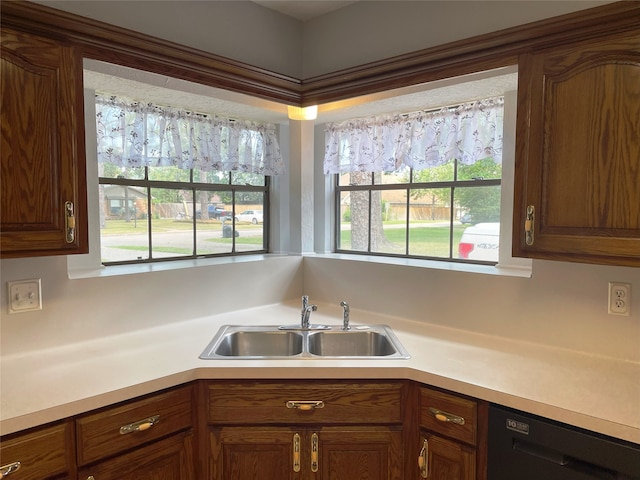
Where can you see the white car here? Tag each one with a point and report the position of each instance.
(253, 216)
(480, 242)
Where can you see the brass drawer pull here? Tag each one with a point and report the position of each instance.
(296, 452)
(446, 417)
(8, 469)
(305, 405)
(140, 426)
(70, 222)
(423, 459)
(529, 225)
(314, 452)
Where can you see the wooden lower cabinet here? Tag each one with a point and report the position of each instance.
(167, 459)
(250, 453)
(338, 430)
(452, 436)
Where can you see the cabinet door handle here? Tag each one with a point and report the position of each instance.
(91, 477)
(9, 468)
(446, 417)
(423, 459)
(314, 452)
(305, 405)
(140, 425)
(70, 222)
(529, 225)
(296, 453)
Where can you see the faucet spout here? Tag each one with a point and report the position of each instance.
(306, 314)
(345, 315)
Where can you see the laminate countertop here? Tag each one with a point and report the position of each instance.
(592, 392)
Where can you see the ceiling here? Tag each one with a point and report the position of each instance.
(303, 10)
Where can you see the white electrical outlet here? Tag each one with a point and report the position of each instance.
(24, 295)
(619, 298)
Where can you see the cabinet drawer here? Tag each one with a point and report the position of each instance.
(42, 453)
(449, 415)
(129, 425)
(341, 403)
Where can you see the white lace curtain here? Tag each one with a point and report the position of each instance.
(387, 143)
(136, 134)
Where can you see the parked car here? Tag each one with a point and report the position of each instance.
(480, 242)
(466, 218)
(214, 212)
(253, 216)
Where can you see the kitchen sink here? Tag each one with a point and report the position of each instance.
(259, 343)
(340, 343)
(271, 342)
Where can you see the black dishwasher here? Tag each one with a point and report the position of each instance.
(526, 447)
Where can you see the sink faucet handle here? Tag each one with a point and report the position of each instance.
(345, 315)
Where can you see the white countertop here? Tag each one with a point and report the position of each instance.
(596, 393)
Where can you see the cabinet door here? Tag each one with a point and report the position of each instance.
(246, 453)
(447, 460)
(42, 176)
(168, 459)
(371, 453)
(578, 152)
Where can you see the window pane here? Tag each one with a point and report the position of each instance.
(171, 232)
(249, 222)
(200, 176)
(485, 169)
(388, 234)
(356, 178)
(123, 231)
(241, 178)
(169, 174)
(354, 229)
(440, 173)
(110, 170)
(392, 178)
(429, 225)
(480, 219)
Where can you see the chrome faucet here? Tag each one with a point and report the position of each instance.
(306, 313)
(345, 315)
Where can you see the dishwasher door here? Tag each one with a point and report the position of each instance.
(525, 447)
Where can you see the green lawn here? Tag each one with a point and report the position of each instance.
(424, 241)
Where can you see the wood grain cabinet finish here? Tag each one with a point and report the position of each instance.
(43, 453)
(42, 176)
(578, 152)
(452, 437)
(306, 430)
(168, 459)
(151, 438)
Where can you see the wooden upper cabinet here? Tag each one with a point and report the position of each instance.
(578, 152)
(42, 176)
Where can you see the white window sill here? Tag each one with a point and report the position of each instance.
(519, 267)
(139, 268)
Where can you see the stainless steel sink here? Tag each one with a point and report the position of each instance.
(259, 343)
(270, 342)
(340, 343)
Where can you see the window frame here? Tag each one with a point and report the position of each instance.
(194, 187)
(408, 186)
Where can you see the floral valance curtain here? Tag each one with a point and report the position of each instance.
(468, 133)
(137, 134)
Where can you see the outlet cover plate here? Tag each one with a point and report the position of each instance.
(619, 298)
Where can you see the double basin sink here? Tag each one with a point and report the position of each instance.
(274, 342)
